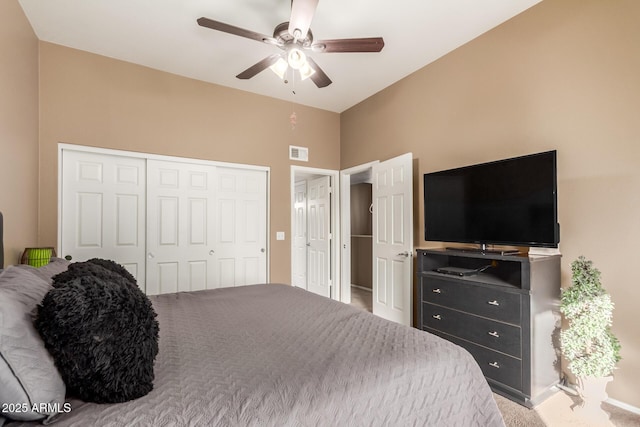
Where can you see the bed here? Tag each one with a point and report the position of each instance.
(275, 355)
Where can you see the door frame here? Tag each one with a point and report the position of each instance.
(334, 175)
(345, 226)
(148, 156)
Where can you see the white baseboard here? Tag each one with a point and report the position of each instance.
(623, 405)
(362, 287)
(571, 389)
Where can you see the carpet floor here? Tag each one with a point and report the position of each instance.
(516, 415)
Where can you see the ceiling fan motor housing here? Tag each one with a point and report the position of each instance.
(282, 35)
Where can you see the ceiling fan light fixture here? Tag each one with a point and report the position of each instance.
(280, 67)
(306, 71)
(296, 58)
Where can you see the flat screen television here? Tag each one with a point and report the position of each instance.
(507, 202)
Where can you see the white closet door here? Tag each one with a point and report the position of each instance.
(241, 238)
(103, 209)
(175, 225)
(180, 227)
(299, 255)
(319, 235)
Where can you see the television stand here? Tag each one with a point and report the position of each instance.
(502, 309)
(484, 249)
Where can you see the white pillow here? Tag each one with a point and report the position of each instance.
(55, 266)
(27, 372)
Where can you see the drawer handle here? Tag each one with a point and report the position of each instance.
(494, 334)
(437, 317)
(494, 365)
(436, 291)
(494, 302)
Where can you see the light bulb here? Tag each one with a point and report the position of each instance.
(280, 67)
(306, 71)
(296, 58)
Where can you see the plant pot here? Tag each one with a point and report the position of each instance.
(593, 392)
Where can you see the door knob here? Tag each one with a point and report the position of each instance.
(404, 254)
(211, 252)
(151, 255)
(262, 250)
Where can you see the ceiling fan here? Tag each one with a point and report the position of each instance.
(295, 37)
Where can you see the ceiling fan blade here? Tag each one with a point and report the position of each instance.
(302, 12)
(319, 77)
(371, 44)
(260, 66)
(237, 31)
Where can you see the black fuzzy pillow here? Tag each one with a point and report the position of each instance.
(114, 267)
(103, 335)
(101, 268)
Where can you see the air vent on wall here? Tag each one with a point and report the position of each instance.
(298, 153)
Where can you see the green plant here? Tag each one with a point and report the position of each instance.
(588, 343)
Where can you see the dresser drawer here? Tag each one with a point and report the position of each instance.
(497, 366)
(476, 299)
(489, 333)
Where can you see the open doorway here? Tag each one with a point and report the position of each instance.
(315, 236)
(360, 245)
(357, 232)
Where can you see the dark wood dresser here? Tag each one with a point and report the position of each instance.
(502, 308)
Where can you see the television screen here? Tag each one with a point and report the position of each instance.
(508, 202)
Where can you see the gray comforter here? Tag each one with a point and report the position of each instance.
(274, 355)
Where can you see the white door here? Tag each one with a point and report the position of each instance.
(299, 253)
(319, 236)
(103, 209)
(393, 239)
(180, 231)
(241, 237)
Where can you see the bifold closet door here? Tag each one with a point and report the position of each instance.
(181, 253)
(103, 209)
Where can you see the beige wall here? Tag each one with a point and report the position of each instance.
(563, 75)
(93, 100)
(18, 130)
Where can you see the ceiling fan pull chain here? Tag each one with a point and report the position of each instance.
(293, 118)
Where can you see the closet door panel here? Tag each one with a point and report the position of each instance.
(167, 277)
(103, 209)
(180, 240)
(242, 215)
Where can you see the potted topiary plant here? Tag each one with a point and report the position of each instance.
(588, 343)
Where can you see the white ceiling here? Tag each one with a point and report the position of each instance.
(164, 35)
